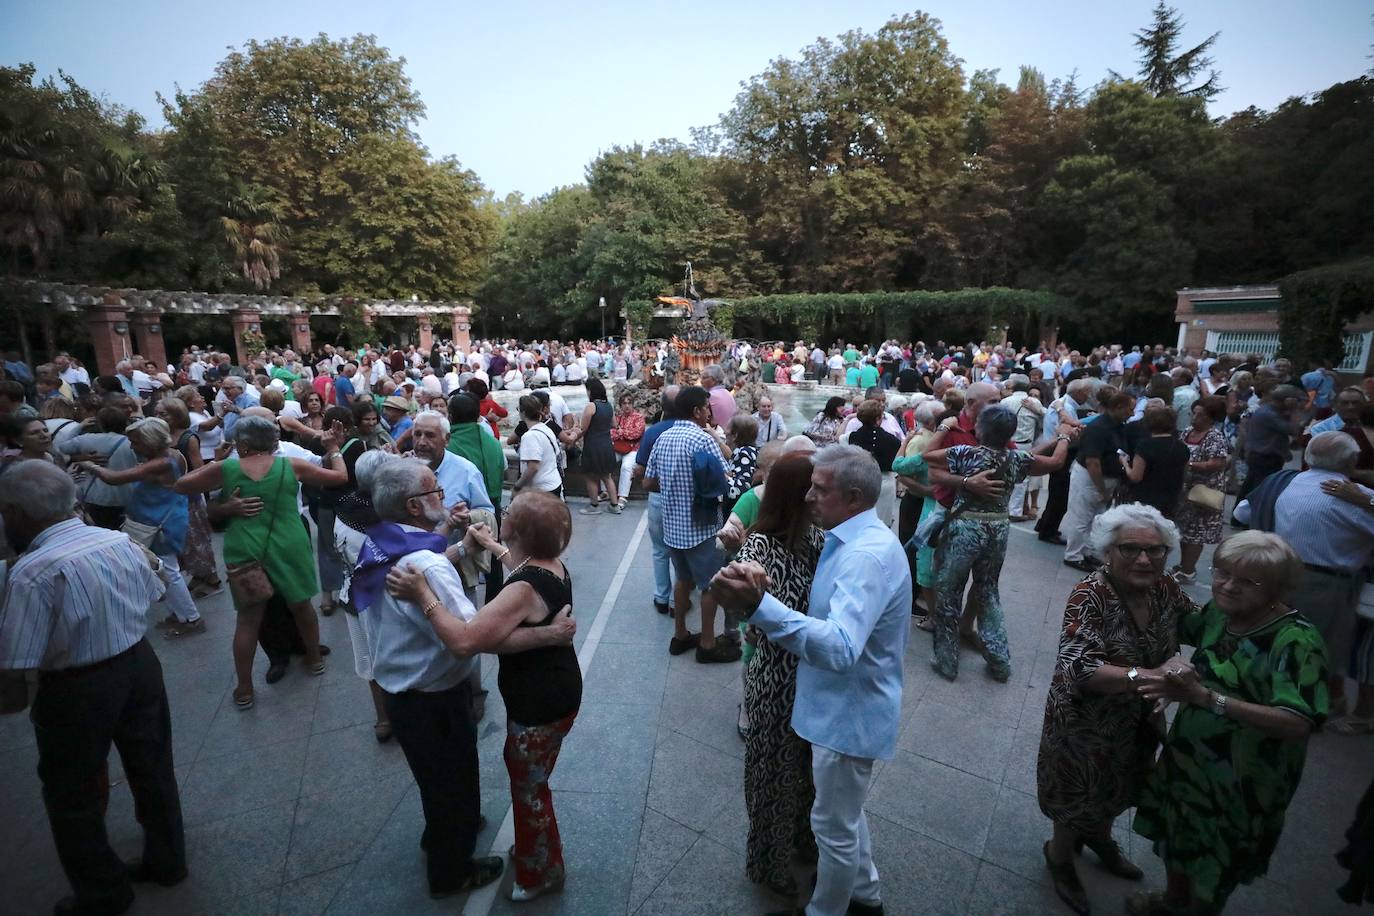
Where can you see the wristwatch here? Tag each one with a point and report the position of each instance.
(1133, 674)
(1219, 703)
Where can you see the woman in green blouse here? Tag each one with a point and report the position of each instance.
(1215, 803)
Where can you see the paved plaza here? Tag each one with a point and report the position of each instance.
(293, 808)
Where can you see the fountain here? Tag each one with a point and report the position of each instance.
(698, 343)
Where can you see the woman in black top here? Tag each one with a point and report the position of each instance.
(542, 688)
(1156, 470)
(873, 438)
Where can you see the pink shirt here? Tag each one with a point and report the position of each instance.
(723, 406)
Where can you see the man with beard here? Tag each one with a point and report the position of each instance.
(74, 614)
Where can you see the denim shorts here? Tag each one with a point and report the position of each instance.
(697, 564)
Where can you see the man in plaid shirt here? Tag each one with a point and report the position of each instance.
(684, 456)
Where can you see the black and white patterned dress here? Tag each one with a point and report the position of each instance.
(778, 791)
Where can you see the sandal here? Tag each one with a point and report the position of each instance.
(926, 623)
(243, 700)
(318, 668)
(741, 724)
(1353, 725)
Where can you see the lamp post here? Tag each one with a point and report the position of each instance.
(602, 306)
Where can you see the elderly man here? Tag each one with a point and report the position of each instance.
(723, 405)
(1074, 408)
(74, 616)
(771, 425)
(849, 678)
(1095, 475)
(1329, 521)
(1030, 418)
(687, 466)
(460, 479)
(1269, 436)
(426, 687)
(234, 397)
(888, 422)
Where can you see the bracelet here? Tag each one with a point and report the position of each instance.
(505, 552)
(428, 609)
(963, 484)
(335, 454)
(1219, 703)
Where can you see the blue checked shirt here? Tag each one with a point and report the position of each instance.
(670, 463)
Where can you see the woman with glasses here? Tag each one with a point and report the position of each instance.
(1100, 734)
(1214, 805)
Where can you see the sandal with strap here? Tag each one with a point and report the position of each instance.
(243, 700)
(318, 668)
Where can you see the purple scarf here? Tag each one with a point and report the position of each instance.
(386, 543)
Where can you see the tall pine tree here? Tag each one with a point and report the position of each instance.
(1165, 72)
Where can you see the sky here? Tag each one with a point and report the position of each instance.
(527, 93)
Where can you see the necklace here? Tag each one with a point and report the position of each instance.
(519, 567)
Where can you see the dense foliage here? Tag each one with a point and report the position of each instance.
(870, 163)
(1318, 304)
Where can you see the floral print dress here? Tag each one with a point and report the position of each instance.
(1198, 524)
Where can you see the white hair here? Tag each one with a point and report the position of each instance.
(854, 468)
(434, 415)
(38, 490)
(151, 432)
(799, 444)
(366, 466)
(395, 482)
(1332, 451)
(1108, 525)
(257, 434)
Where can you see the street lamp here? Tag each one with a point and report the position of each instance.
(602, 305)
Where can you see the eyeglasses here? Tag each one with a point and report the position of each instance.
(1220, 575)
(439, 490)
(1133, 551)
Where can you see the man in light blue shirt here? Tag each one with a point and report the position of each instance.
(461, 479)
(849, 679)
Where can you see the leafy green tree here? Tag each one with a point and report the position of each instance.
(1167, 71)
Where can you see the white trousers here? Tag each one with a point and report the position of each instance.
(1084, 505)
(845, 870)
(627, 469)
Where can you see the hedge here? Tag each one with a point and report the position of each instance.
(1317, 304)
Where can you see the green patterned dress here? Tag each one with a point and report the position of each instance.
(1215, 803)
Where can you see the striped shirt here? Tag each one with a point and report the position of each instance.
(1324, 530)
(79, 595)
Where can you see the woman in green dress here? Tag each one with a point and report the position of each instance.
(1215, 803)
(269, 531)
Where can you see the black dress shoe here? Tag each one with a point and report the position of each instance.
(662, 607)
(864, 909)
(1052, 539)
(276, 671)
(484, 871)
(1080, 565)
(70, 906)
(141, 873)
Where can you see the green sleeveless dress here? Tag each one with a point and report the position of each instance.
(282, 547)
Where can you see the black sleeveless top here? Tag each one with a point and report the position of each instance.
(544, 685)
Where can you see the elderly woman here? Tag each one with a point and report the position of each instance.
(541, 687)
(1099, 736)
(918, 501)
(824, 428)
(198, 553)
(1156, 470)
(626, 433)
(740, 435)
(26, 439)
(154, 504)
(353, 515)
(974, 537)
(871, 437)
(268, 551)
(1208, 453)
(1214, 804)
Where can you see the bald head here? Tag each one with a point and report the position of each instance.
(257, 411)
(979, 395)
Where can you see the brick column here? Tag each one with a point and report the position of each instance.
(462, 327)
(110, 343)
(244, 320)
(147, 328)
(300, 335)
(426, 327)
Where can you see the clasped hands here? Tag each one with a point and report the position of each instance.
(1175, 681)
(740, 586)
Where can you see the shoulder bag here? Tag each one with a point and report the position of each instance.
(143, 533)
(248, 581)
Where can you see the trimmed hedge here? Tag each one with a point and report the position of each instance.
(810, 311)
(1317, 304)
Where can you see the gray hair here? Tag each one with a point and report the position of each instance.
(257, 434)
(234, 381)
(1019, 382)
(799, 444)
(437, 417)
(152, 432)
(854, 469)
(366, 467)
(928, 412)
(1108, 525)
(1332, 451)
(713, 372)
(995, 426)
(38, 490)
(395, 482)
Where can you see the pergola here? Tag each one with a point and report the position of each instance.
(127, 321)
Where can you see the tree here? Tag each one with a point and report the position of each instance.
(1166, 71)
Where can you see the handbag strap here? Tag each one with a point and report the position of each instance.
(272, 523)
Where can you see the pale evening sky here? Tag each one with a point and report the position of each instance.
(526, 94)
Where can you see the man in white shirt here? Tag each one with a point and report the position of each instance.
(576, 372)
(70, 373)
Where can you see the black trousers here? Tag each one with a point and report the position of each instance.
(76, 716)
(111, 517)
(439, 739)
(1056, 504)
(278, 634)
(908, 516)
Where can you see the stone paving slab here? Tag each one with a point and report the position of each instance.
(293, 808)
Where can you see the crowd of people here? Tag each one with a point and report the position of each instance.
(390, 485)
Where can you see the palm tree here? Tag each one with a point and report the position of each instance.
(255, 234)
